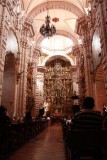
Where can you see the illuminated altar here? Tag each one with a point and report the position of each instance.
(58, 86)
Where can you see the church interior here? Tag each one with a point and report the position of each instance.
(53, 55)
(44, 70)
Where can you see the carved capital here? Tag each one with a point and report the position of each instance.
(29, 28)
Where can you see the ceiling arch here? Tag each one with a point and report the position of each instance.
(65, 57)
(54, 5)
(58, 5)
(59, 32)
(57, 57)
(28, 5)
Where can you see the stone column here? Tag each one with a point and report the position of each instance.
(26, 53)
(2, 15)
(22, 80)
(2, 20)
(103, 24)
(84, 29)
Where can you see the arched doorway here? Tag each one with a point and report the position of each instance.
(9, 88)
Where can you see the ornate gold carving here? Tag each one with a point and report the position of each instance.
(30, 98)
(58, 85)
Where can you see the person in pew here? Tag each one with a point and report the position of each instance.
(28, 117)
(87, 117)
(4, 118)
(75, 109)
(105, 119)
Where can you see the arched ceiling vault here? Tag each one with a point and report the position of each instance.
(28, 5)
(67, 12)
(55, 5)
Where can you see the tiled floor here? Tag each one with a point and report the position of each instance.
(48, 145)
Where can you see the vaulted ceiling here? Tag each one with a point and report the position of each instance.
(66, 11)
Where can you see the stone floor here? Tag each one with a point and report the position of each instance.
(48, 145)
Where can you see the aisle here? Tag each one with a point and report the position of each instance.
(48, 145)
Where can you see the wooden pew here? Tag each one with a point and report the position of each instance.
(86, 143)
(3, 141)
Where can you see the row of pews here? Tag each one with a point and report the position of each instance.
(88, 144)
(14, 136)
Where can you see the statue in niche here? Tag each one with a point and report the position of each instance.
(58, 104)
(57, 69)
(58, 83)
(48, 92)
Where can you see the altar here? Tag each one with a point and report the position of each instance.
(58, 86)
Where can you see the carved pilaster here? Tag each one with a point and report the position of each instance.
(103, 21)
(83, 28)
(26, 53)
(81, 73)
(23, 78)
(1, 20)
(1, 79)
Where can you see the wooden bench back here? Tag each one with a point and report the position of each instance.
(86, 143)
(88, 138)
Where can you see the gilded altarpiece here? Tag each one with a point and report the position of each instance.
(30, 103)
(58, 87)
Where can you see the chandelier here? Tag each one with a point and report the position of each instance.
(46, 29)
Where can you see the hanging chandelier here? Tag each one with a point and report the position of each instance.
(47, 30)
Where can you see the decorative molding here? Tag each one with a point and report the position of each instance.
(28, 26)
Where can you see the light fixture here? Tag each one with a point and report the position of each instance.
(46, 29)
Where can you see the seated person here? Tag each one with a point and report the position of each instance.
(105, 120)
(87, 118)
(28, 117)
(75, 109)
(68, 120)
(4, 118)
